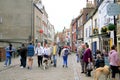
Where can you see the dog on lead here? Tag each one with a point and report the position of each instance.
(102, 71)
(46, 63)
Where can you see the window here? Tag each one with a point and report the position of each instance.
(95, 22)
(87, 17)
(86, 32)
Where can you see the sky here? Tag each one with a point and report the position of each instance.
(61, 12)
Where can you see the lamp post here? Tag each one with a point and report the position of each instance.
(115, 30)
(32, 34)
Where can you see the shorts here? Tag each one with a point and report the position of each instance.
(30, 58)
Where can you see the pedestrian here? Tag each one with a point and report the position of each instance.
(23, 54)
(87, 58)
(77, 56)
(99, 59)
(9, 50)
(106, 59)
(59, 52)
(81, 50)
(39, 51)
(65, 52)
(77, 53)
(30, 54)
(49, 51)
(19, 53)
(46, 51)
(54, 55)
(114, 59)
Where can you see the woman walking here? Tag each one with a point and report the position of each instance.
(87, 58)
(65, 53)
(114, 59)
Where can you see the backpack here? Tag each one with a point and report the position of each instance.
(66, 52)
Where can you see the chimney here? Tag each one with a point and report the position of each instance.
(95, 3)
(89, 4)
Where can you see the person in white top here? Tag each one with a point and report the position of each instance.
(46, 51)
(65, 52)
(39, 51)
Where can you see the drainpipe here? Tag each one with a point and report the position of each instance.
(32, 21)
(115, 30)
(76, 30)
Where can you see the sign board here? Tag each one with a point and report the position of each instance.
(113, 9)
(118, 22)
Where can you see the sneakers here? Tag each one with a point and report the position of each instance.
(29, 68)
(65, 66)
(21, 67)
(82, 72)
(5, 65)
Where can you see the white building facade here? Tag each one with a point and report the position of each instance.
(104, 20)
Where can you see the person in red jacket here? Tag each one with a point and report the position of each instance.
(87, 58)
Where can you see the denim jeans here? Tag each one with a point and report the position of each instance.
(8, 60)
(65, 58)
(23, 61)
(54, 60)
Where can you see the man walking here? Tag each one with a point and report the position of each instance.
(39, 51)
(30, 55)
(81, 50)
(23, 54)
(9, 50)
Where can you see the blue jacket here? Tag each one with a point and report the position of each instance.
(30, 51)
(8, 51)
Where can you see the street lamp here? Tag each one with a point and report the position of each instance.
(32, 35)
(115, 30)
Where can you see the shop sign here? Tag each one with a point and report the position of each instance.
(113, 9)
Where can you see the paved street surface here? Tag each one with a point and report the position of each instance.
(14, 72)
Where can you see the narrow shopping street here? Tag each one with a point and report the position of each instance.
(73, 72)
(14, 72)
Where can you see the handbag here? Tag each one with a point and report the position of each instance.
(90, 66)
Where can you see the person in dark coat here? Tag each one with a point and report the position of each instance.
(60, 49)
(87, 58)
(23, 54)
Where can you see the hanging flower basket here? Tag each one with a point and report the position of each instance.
(111, 27)
(104, 29)
(95, 31)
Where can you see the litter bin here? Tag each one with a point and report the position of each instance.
(2, 54)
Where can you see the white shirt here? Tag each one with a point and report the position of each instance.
(46, 51)
(39, 50)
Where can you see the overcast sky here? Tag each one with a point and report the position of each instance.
(61, 12)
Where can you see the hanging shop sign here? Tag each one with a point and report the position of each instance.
(111, 26)
(41, 31)
(113, 9)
